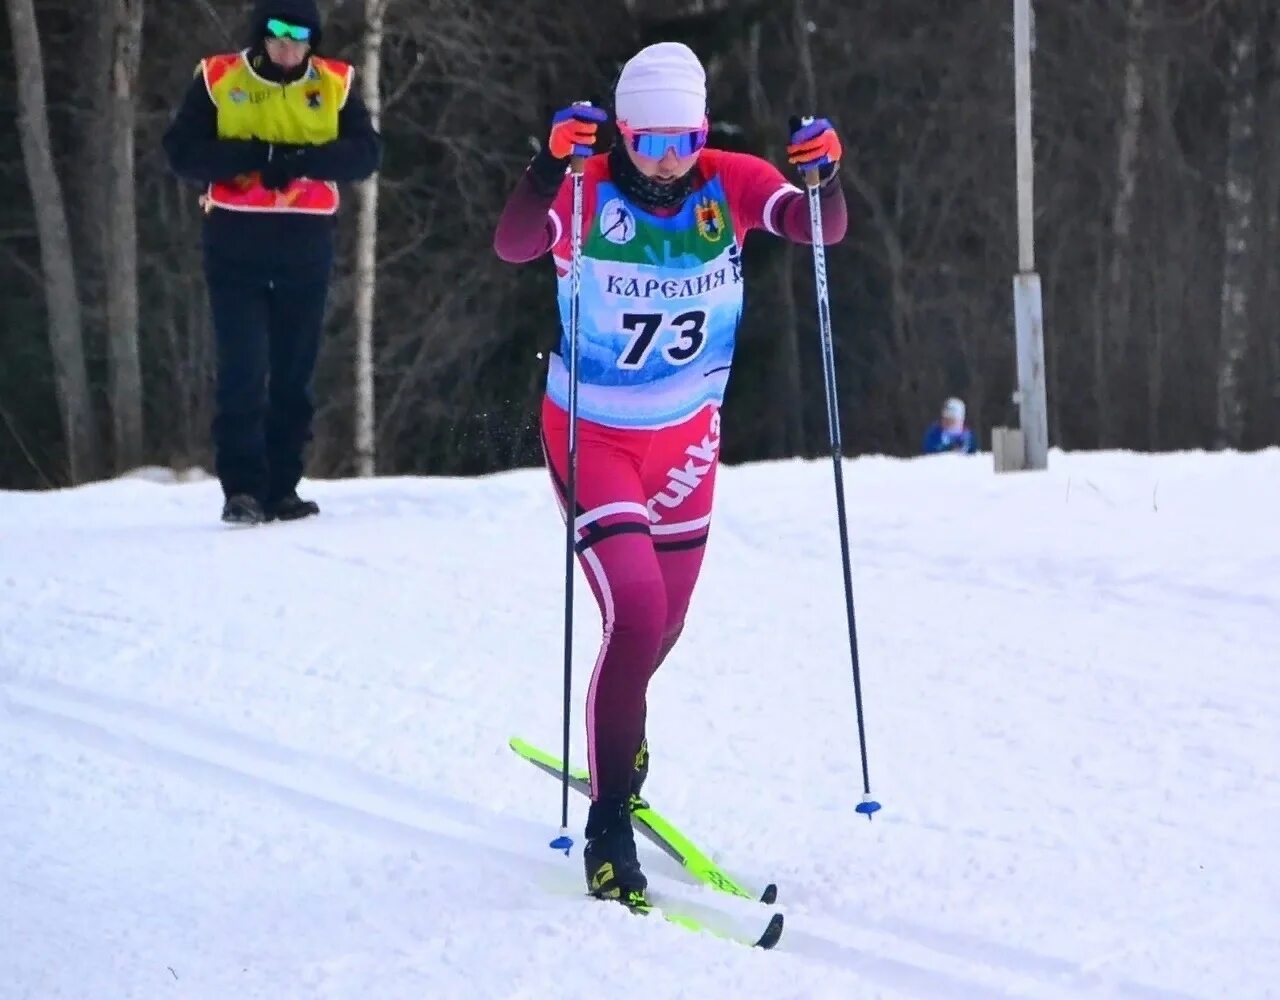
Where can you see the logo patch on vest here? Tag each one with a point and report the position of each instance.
(314, 100)
(617, 224)
(710, 220)
(238, 96)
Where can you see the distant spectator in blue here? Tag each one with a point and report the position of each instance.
(949, 432)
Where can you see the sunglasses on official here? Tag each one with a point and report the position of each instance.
(283, 29)
(654, 145)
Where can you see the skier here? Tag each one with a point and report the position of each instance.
(949, 433)
(664, 220)
(269, 130)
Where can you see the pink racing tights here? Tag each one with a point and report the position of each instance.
(643, 512)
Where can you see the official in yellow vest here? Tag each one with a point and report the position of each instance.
(269, 132)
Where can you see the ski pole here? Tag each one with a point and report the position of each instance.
(868, 805)
(564, 842)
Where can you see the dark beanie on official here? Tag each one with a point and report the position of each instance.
(304, 13)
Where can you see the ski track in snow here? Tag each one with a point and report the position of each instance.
(338, 795)
(273, 763)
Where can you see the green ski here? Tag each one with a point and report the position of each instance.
(642, 905)
(656, 828)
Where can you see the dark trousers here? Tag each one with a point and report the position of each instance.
(268, 308)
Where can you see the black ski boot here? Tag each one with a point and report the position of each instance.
(241, 508)
(291, 508)
(613, 870)
(639, 771)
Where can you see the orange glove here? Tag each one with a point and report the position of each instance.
(573, 130)
(814, 144)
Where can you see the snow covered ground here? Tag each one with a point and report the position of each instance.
(273, 762)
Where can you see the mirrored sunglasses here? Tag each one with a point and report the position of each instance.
(654, 145)
(283, 29)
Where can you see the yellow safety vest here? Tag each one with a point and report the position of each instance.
(304, 112)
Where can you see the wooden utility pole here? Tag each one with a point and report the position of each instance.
(1027, 307)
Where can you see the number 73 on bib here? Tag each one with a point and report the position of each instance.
(679, 338)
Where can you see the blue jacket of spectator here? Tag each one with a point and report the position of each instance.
(938, 439)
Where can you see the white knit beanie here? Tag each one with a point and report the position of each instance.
(662, 86)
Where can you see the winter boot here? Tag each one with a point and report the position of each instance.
(241, 508)
(291, 508)
(613, 870)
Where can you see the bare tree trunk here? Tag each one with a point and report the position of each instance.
(1269, 249)
(66, 337)
(367, 249)
(85, 186)
(1239, 225)
(1164, 276)
(1156, 338)
(122, 239)
(885, 225)
(787, 434)
(1111, 344)
(794, 443)
(1053, 367)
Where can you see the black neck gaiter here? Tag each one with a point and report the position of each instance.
(642, 190)
(265, 68)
